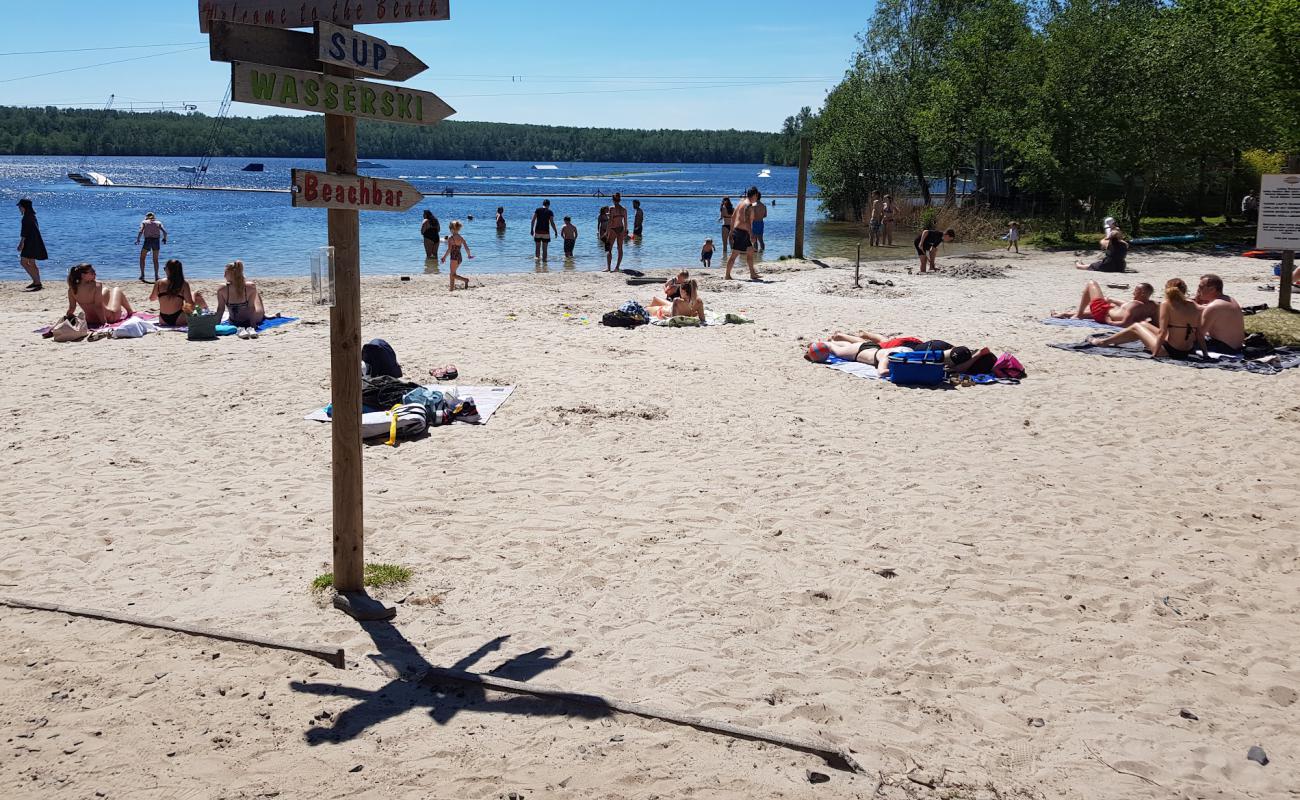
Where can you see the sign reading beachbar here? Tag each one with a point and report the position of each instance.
(231, 41)
(306, 13)
(329, 94)
(351, 192)
(1279, 213)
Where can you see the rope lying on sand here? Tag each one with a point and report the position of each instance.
(332, 656)
(837, 757)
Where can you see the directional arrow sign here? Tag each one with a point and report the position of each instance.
(346, 48)
(231, 41)
(352, 192)
(329, 94)
(305, 13)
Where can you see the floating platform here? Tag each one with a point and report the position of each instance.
(453, 195)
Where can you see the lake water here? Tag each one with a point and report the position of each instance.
(208, 229)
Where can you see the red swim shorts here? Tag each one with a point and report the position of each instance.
(1100, 308)
(901, 341)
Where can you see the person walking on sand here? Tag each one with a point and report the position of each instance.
(759, 222)
(569, 233)
(725, 212)
(638, 218)
(454, 244)
(155, 235)
(876, 218)
(543, 225)
(31, 247)
(431, 232)
(1013, 236)
(615, 232)
(741, 232)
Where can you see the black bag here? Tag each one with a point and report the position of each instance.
(383, 391)
(622, 319)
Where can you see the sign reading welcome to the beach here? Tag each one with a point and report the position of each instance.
(329, 94)
(1279, 213)
(306, 13)
(352, 192)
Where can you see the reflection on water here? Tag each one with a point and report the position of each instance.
(841, 239)
(431, 267)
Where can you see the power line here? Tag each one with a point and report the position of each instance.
(91, 49)
(731, 85)
(101, 64)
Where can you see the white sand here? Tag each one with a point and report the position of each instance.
(696, 515)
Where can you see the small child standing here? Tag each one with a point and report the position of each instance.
(569, 233)
(706, 253)
(454, 244)
(1013, 237)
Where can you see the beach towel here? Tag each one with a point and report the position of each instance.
(1282, 358)
(1079, 323)
(151, 318)
(486, 398)
(714, 318)
(226, 329)
(855, 368)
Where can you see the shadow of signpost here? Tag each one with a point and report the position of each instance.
(421, 685)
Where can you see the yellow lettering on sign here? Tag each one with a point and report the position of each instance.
(367, 100)
(289, 90)
(349, 98)
(331, 95)
(263, 84)
(386, 104)
(311, 92)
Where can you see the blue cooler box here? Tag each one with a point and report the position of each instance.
(917, 368)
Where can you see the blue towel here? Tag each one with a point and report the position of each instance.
(225, 329)
(1079, 323)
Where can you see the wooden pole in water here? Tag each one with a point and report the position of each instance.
(345, 364)
(1288, 256)
(805, 153)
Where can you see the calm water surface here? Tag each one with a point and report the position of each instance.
(207, 229)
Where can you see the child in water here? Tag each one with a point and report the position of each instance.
(1013, 236)
(706, 253)
(454, 244)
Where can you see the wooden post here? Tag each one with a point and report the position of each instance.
(805, 153)
(1288, 256)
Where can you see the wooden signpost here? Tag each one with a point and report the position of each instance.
(286, 71)
(233, 41)
(306, 13)
(352, 192)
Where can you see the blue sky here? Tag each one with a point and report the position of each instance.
(586, 62)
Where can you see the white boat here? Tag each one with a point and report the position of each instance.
(765, 173)
(545, 166)
(88, 178)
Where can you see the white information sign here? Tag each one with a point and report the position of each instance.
(1279, 213)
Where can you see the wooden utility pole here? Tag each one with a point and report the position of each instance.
(1288, 256)
(805, 154)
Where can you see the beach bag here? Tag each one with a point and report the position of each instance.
(622, 319)
(635, 309)
(407, 421)
(65, 331)
(384, 391)
(133, 328)
(917, 368)
(1008, 367)
(438, 405)
(201, 327)
(381, 359)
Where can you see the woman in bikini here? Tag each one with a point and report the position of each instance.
(725, 212)
(887, 217)
(101, 304)
(687, 303)
(175, 301)
(241, 297)
(454, 244)
(1178, 334)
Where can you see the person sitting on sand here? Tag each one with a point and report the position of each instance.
(101, 304)
(1222, 323)
(175, 301)
(1178, 334)
(956, 358)
(672, 289)
(1116, 253)
(241, 298)
(1097, 307)
(687, 304)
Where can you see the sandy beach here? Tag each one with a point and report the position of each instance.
(690, 518)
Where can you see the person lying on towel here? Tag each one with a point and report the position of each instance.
(1096, 306)
(687, 304)
(874, 350)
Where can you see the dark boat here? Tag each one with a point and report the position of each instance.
(371, 165)
(254, 167)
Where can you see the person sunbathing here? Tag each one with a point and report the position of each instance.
(1096, 306)
(874, 350)
(244, 302)
(101, 304)
(1178, 334)
(1222, 323)
(672, 289)
(687, 304)
(175, 299)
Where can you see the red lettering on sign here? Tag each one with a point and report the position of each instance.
(398, 201)
(365, 194)
(352, 195)
(310, 187)
(381, 10)
(327, 193)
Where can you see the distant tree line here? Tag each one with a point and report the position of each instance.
(1116, 106)
(53, 131)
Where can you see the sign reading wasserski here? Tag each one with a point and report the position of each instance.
(306, 13)
(352, 192)
(311, 91)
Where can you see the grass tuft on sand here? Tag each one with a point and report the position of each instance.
(1281, 328)
(375, 575)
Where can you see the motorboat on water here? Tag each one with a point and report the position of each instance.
(765, 173)
(88, 178)
(192, 169)
(545, 166)
(254, 167)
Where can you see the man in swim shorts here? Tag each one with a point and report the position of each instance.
(927, 245)
(1096, 306)
(741, 231)
(543, 224)
(1222, 323)
(759, 222)
(877, 218)
(638, 218)
(154, 235)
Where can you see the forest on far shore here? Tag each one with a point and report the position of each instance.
(65, 132)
